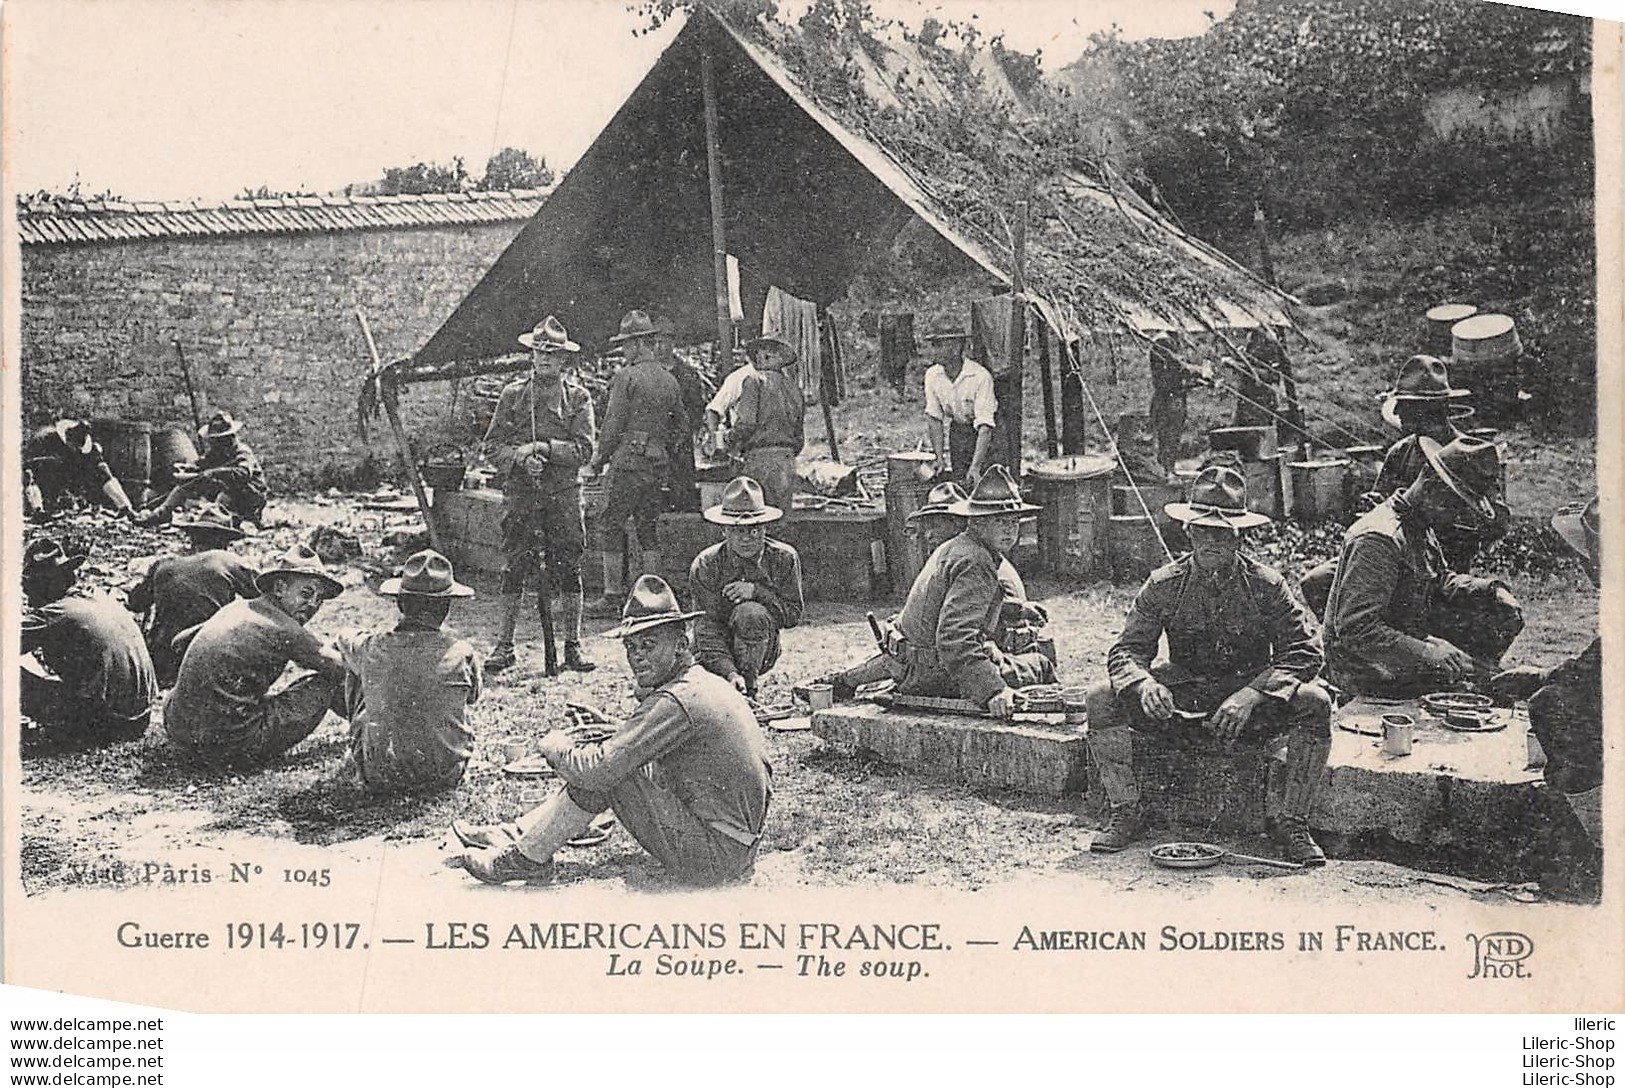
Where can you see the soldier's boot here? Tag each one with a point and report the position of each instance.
(575, 661)
(1123, 828)
(609, 605)
(502, 654)
(485, 836)
(505, 864)
(1111, 746)
(1306, 755)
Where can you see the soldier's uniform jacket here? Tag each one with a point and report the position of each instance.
(1245, 627)
(644, 417)
(564, 422)
(1390, 573)
(952, 613)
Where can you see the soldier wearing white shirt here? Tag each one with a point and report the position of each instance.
(959, 403)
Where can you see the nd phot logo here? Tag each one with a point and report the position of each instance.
(1501, 955)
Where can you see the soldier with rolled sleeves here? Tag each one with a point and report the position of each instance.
(642, 423)
(1243, 665)
(65, 460)
(961, 409)
(686, 773)
(541, 433)
(747, 588)
(1399, 622)
(1565, 701)
(768, 430)
(1020, 657)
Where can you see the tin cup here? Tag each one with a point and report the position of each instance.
(513, 748)
(1398, 732)
(1075, 705)
(820, 696)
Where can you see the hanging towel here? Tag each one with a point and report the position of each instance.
(990, 333)
(795, 321)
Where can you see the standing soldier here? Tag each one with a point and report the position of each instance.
(768, 433)
(541, 433)
(960, 407)
(641, 425)
(696, 394)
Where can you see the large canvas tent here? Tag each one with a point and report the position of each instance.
(813, 190)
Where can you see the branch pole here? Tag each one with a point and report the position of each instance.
(403, 455)
(1016, 350)
(719, 238)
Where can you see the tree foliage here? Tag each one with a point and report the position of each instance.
(420, 178)
(513, 168)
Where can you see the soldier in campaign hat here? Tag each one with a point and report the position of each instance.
(406, 689)
(686, 773)
(747, 587)
(541, 434)
(228, 472)
(960, 406)
(1244, 662)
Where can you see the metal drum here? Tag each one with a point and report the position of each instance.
(908, 482)
(1074, 528)
(1440, 320)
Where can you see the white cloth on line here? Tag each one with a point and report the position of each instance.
(795, 321)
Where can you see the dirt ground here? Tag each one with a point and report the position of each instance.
(838, 819)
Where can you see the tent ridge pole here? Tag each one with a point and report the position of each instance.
(719, 239)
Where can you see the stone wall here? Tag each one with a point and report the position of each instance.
(269, 330)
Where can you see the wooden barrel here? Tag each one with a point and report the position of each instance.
(129, 453)
(1136, 549)
(908, 482)
(170, 446)
(1074, 527)
(1318, 488)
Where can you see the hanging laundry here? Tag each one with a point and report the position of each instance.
(990, 333)
(795, 321)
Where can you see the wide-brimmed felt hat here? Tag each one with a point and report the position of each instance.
(765, 348)
(220, 425)
(1581, 527)
(425, 574)
(650, 604)
(946, 327)
(209, 518)
(76, 434)
(1471, 467)
(299, 559)
(742, 504)
(938, 500)
(548, 335)
(44, 553)
(1218, 497)
(634, 326)
(995, 493)
(1423, 377)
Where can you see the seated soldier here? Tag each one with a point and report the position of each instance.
(1565, 701)
(228, 472)
(947, 631)
(1421, 404)
(103, 687)
(1243, 661)
(747, 588)
(407, 689)
(221, 712)
(687, 774)
(1399, 622)
(181, 591)
(1022, 650)
(64, 462)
